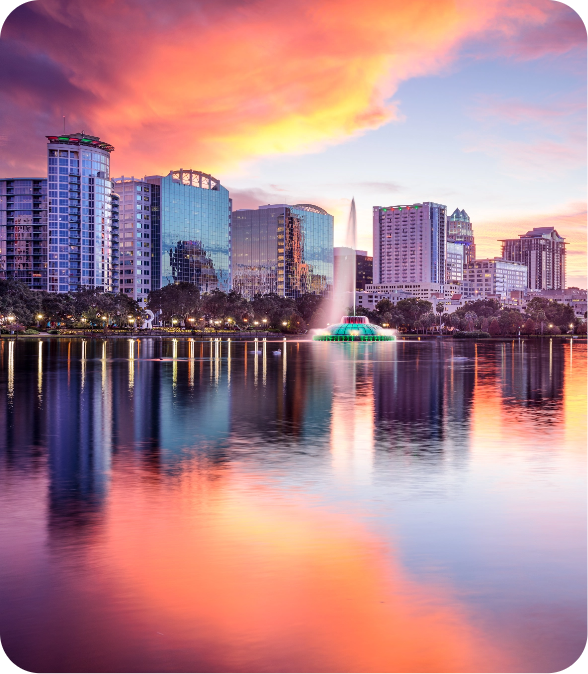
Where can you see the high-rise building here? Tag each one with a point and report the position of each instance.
(115, 206)
(456, 258)
(81, 245)
(543, 251)
(282, 249)
(410, 243)
(23, 231)
(135, 236)
(493, 277)
(459, 230)
(364, 269)
(190, 230)
(173, 228)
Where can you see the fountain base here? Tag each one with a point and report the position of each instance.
(354, 329)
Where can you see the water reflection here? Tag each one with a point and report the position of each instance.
(393, 507)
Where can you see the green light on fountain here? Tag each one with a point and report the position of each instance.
(354, 329)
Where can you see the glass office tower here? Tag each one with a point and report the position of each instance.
(287, 250)
(190, 230)
(81, 245)
(23, 231)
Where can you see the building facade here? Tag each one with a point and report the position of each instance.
(364, 269)
(460, 230)
(135, 236)
(455, 258)
(493, 278)
(190, 222)
(410, 243)
(23, 231)
(282, 249)
(543, 251)
(81, 245)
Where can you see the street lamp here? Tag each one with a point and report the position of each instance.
(174, 321)
(284, 323)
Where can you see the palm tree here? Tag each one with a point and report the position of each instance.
(440, 308)
(541, 317)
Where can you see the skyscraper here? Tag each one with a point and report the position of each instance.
(282, 249)
(410, 243)
(23, 231)
(343, 259)
(81, 245)
(543, 251)
(136, 240)
(173, 228)
(190, 230)
(459, 230)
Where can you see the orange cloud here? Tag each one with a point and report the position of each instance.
(213, 84)
(570, 222)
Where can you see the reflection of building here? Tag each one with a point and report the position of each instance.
(287, 250)
(190, 209)
(410, 243)
(190, 264)
(174, 228)
(81, 245)
(23, 231)
(460, 231)
(543, 251)
(493, 278)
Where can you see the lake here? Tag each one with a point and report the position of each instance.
(173, 505)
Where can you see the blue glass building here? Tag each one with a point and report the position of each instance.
(287, 250)
(190, 230)
(81, 243)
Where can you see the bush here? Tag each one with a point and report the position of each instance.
(31, 331)
(53, 332)
(471, 334)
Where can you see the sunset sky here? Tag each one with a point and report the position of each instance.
(474, 104)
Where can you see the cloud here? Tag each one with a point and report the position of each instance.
(216, 84)
(570, 222)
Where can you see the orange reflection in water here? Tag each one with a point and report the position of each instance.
(265, 581)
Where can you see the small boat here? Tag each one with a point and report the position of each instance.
(255, 352)
(278, 352)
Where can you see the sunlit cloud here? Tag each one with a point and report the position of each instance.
(216, 84)
(570, 222)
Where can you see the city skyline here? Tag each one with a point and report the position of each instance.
(478, 108)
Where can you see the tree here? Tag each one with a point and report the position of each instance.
(428, 319)
(494, 327)
(482, 308)
(18, 300)
(470, 318)
(553, 330)
(309, 305)
(542, 318)
(510, 320)
(529, 327)
(412, 309)
(454, 319)
(181, 300)
(440, 308)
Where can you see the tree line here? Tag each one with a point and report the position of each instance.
(541, 316)
(182, 304)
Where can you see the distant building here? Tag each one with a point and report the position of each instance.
(493, 278)
(81, 245)
(364, 266)
(460, 230)
(543, 252)
(410, 243)
(282, 249)
(343, 274)
(23, 231)
(455, 260)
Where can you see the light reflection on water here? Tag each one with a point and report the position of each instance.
(178, 505)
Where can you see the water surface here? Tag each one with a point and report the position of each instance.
(177, 505)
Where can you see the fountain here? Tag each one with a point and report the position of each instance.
(350, 328)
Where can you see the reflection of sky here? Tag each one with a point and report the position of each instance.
(468, 535)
